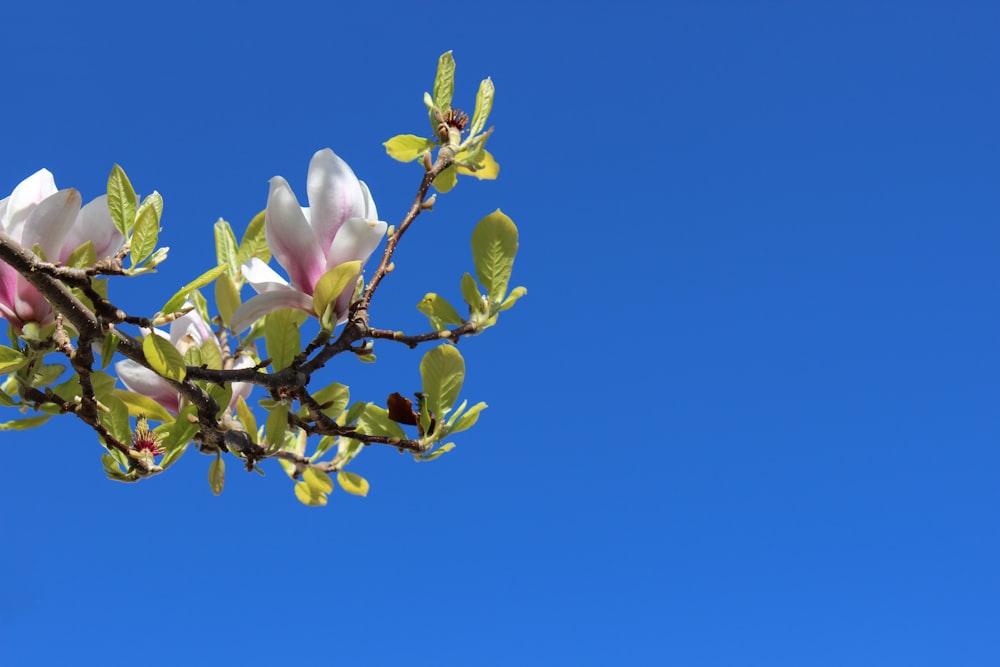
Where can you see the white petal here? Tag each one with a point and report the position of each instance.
(28, 194)
(267, 302)
(356, 240)
(290, 237)
(93, 224)
(261, 276)
(371, 213)
(335, 195)
(143, 381)
(50, 220)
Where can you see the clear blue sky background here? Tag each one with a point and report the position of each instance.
(746, 415)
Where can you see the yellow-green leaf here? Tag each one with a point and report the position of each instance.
(484, 103)
(281, 335)
(83, 256)
(22, 424)
(352, 483)
(333, 399)
(245, 415)
(11, 359)
(176, 302)
(225, 247)
(375, 421)
(217, 475)
(438, 311)
(142, 406)
(309, 496)
(163, 357)
(494, 246)
(332, 283)
(488, 169)
(408, 147)
(275, 426)
(254, 242)
(443, 371)
(446, 180)
(317, 480)
(121, 200)
(444, 82)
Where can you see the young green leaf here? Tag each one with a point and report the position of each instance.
(512, 298)
(147, 230)
(217, 475)
(116, 420)
(438, 311)
(352, 483)
(468, 419)
(142, 406)
(484, 103)
(254, 242)
(227, 297)
(176, 302)
(163, 357)
(408, 147)
(444, 82)
(494, 245)
(83, 256)
(333, 399)
(446, 180)
(23, 424)
(108, 349)
(332, 283)
(487, 168)
(470, 292)
(443, 371)
(281, 335)
(226, 250)
(11, 359)
(275, 426)
(375, 421)
(317, 480)
(307, 495)
(245, 415)
(121, 201)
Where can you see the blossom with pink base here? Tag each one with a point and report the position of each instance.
(185, 332)
(340, 225)
(36, 213)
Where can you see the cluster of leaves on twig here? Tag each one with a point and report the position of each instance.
(206, 367)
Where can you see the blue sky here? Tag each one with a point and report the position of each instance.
(746, 415)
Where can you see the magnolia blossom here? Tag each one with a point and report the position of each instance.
(189, 330)
(340, 225)
(36, 213)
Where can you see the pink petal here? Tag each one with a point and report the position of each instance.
(28, 194)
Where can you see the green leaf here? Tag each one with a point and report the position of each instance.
(116, 420)
(375, 421)
(142, 406)
(275, 426)
(49, 373)
(443, 449)
(176, 302)
(211, 357)
(23, 424)
(487, 167)
(163, 357)
(254, 243)
(281, 335)
(470, 292)
(309, 496)
(221, 394)
(494, 245)
(83, 256)
(352, 483)
(11, 359)
(217, 475)
(353, 414)
(438, 311)
(332, 283)
(226, 250)
(333, 399)
(408, 147)
(443, 371)
(515, 294)
(484, 104)
(444, 82)
(147, 229)
(121, 201)
(182, 430)
(227, 297)
(317, 480)
(108, 349)
(245, 415)
(446, 180)
(468, 419)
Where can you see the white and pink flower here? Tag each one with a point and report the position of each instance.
(36, 213)
(340, 225)
(185, 332)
